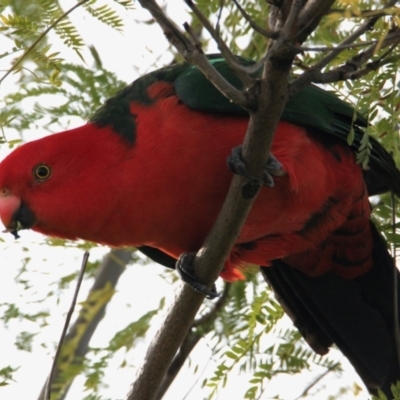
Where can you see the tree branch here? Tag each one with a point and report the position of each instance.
(292, 32)
(310, 75)
(351, 69)
(80, 333)
(202, 326)
(317, 379)
(257, 28)
(269, 93)
(310, 16)
(228, 55)
(193, 54)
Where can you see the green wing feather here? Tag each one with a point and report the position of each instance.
(312, 107)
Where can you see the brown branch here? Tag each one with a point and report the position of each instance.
(352, 69)
(385, 11)
(310, 15)
(371, 66)
(193, 54)
(283, 38)
(350, 39)
(368, 25)
(290, 37)
(342, 47)
(228, 55)
(166, 343)
(254, 25)
(269, 93)
(218, 23)
(203, 326)
(109, 272)
(188, 344)
(50, 379)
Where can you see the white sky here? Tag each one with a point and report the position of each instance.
(129, 54)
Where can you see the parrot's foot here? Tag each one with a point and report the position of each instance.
(185, 268)
(271, 168)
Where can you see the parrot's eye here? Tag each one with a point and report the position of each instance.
(4, 192)
(42, 172)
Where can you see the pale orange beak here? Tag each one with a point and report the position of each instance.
(9, 204)
(14, 214)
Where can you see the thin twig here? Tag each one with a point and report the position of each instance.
(66, 324)
(282, 39)
(226, 52)
(194, 36)
(368, 25)
(218, 24)
(315, 381)
(343, 47)
(41, 36)
(308, 12)
(254, 25)
(81, 331)
(350, 70)
(386, 11)
(373, 65)
(186, 396)
(193, 54)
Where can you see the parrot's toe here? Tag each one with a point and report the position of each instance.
(271, 168)
(186, 271)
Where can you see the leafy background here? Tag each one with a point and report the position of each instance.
(56, 80)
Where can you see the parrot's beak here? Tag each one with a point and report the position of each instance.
(23, 218)
(15, 215)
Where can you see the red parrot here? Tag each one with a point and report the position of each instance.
(149, 170)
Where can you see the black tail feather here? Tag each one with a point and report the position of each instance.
(357, 315)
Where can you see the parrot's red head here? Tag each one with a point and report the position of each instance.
(56, 185)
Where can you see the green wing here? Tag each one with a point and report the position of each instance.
(312, 107)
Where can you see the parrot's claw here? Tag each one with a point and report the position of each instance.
(271, 168)
(185, 269)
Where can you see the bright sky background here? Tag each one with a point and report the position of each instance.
(129, 54)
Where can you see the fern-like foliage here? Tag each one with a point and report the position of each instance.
(395, 391)
(52, 12)
(28, 29)
(106, 15)
(18, 25)
(83, 91)
(251, 336)
(127, 4)
(41, 55)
